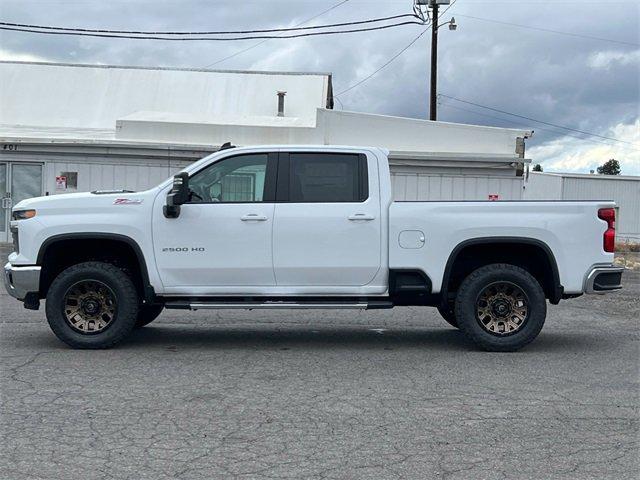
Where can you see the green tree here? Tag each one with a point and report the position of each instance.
(537, 167)
(611, 167)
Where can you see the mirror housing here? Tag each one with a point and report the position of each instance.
(178, 195)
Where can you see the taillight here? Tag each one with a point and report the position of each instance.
(609, 237)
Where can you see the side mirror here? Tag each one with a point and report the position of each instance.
(178, 195)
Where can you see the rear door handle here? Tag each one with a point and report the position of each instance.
(253, 217)
(361, 216)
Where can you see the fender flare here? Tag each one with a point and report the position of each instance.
(557, 288)
(148, 290)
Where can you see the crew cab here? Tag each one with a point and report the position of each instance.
(302, 227)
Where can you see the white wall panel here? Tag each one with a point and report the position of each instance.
(112, 173)
(408, 134)
(424, 187)
(625, 191)
(541, 186)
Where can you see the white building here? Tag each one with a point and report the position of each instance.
(66, 128)
(624, 190)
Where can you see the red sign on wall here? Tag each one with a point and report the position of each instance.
(61, 182)
(493, 197)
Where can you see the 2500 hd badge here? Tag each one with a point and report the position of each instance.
(183, 249)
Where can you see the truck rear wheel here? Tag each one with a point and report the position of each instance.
(500, 307)
(92, 305)
(147, 314)
(449, 315)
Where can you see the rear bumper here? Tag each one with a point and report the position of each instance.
(603, 279)
(21, 280)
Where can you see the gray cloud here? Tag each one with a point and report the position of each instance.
(583, 83)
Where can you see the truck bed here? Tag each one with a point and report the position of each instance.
(569, 229)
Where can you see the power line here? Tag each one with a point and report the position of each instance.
(548, 30)
(218, 32)
(388, 62)
(239, 52)
(591, 140)
(535, 120)
(211, 39)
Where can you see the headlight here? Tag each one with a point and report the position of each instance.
(23, 214)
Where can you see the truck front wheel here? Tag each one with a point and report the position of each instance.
(500, 307)
(92, 305)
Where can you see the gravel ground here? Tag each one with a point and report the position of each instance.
(324, 394)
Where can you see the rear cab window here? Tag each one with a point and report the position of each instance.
(322, 177)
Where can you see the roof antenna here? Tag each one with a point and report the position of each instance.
(226, 146)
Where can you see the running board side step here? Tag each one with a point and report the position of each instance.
(274, 305)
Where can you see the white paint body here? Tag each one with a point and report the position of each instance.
(312, 249)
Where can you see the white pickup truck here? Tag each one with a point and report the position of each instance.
(302, 227)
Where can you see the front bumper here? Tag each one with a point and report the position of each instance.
(603, 279)
(21, 280)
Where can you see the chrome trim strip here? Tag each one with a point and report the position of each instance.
(593, 274)
(275, 305)
(19, 280)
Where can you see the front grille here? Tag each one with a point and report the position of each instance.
(14, 236)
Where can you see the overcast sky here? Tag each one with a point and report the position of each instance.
(587, 84)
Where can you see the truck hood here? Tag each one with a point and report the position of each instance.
(84, 201)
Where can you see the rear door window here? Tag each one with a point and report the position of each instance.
(326, 177)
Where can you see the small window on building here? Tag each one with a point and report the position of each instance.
(325, 177)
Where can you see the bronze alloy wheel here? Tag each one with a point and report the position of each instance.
(502, 308)
(89, 306)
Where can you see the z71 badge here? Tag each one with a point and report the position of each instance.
(127, 201)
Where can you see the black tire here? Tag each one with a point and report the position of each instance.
(125, 305)
(469, 294)
(147, 314)
(449, 315)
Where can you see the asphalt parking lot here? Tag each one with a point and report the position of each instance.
(324, 394)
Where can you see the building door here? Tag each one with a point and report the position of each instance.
(18, 181)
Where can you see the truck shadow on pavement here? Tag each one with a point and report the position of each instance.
(269, 337)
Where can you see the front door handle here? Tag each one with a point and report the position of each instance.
(253, 217)
(361, 216)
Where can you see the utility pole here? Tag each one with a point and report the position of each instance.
(434, 61)
(434, 5)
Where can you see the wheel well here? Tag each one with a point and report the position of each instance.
(57, 255)
(536, 258)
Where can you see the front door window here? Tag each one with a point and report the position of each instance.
(235, 180)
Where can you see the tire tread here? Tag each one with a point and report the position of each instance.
(127, 301)
(499, 344)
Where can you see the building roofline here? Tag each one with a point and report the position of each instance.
(147, 148)
(173, 69)
(593, 176)
(528, 133)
